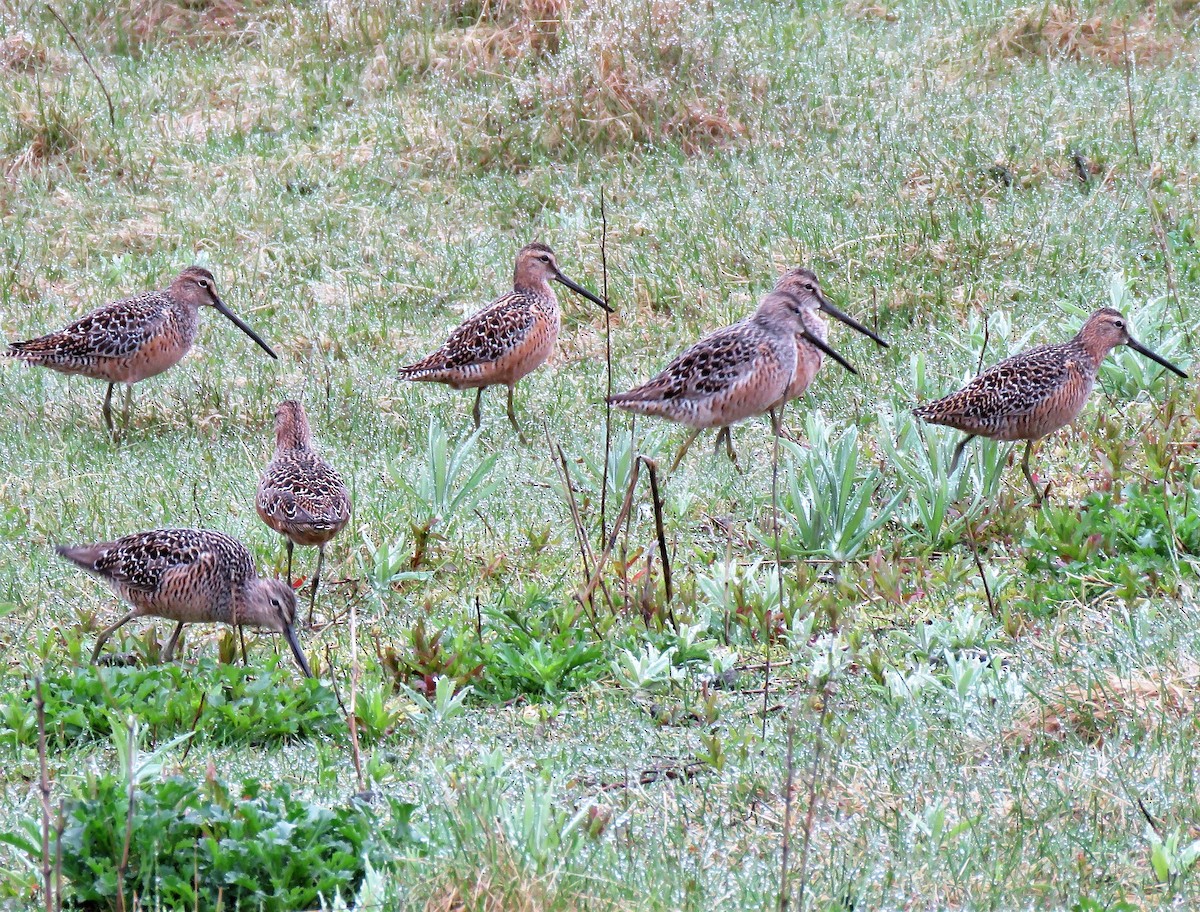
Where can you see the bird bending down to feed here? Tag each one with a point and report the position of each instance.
(134, 338)
(1036, 392)
(192, 577)
(741, 370)
(512, 336)
(803, 282)
(299, 495)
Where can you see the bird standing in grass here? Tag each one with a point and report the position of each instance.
(1034, 393)
(192, 577)
(299, 495)
(134, 338)
(740, 371)
(512, 336)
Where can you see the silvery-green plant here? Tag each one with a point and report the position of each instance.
(452, 481)
(446, 703)
(938, 503)
(827, 508)
(387, 563)
(648, 669)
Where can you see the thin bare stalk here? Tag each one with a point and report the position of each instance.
(778, 580)
(124, 865)
(660, 530)
(1129, 91)
(784, 897)
(39, 703)
(585, 553)
(607, 370)
(810, 815)
(112, 115)
(622, 514)
(987, 589)
(355, 672)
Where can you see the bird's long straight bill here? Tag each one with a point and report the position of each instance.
(817, 343)
(851, 322)
(1142, 350)
(240, 324)
(580, 290)
(289, 634)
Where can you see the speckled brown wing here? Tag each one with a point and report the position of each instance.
(140, 562)
(1004, 393)
(715, 364)
(116, 330)
(299, 493)
(483, 338)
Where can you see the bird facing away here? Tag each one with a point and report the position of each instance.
(192, 577)
(732, 374)
(512, 336)
(803, 283)
(299, 495)
(1036, 392)
(134, 338)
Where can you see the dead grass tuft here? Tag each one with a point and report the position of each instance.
(639, 76)
(1097, 711)
(20, 54)
(500, 883)
(501, 34)
(127, 27)
(1060, 30)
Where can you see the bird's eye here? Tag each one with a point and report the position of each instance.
(1119, 324)
(545, 259)
(810, 286)
(203, 283)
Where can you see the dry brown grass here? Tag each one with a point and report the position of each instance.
(639, 76)
(130, 26)
(1095, 712)
(500, 883)
(1061, 30)
(20, 54)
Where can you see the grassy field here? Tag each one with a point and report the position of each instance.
(970, 705)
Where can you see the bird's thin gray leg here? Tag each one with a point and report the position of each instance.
(512, 417)
(168, 652)
(109, 631)
(316, 581)
(128, 401)
(106, 411)
(683, 449)
(476, 412)
(958, 451)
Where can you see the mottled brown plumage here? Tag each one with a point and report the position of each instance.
(1034, 393)
(190, 576)
(132, 339)
(735, 373)
(300, 495)
(509, 338)
(742, 370)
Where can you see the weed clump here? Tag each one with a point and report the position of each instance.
(1062, 30)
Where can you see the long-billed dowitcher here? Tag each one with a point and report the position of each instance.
(803, 283)
(512, 336)
(1036, 392)
(735, 373)
(300, 496)
(134, 338)
(192, 577)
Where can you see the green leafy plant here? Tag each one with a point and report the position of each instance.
(223, 703)
(447, 487)
(827, 505)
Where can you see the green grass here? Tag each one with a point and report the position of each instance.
(360, 181)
